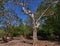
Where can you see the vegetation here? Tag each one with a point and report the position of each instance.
(43, 24)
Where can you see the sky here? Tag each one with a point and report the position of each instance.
(33, 6)
(18, 9)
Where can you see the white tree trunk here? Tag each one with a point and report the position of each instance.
(34, 31)
(37, 22)
(35, 36)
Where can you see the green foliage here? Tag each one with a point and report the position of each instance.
(52, 23)
(17, 31)
(1, 33)
(1, 5)
(13, 31)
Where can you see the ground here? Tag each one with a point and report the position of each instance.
(19, 42)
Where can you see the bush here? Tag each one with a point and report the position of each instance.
(1, 33)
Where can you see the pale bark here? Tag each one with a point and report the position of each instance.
(28, 12)
(35, 23)
(34, 32)
(35, 36)
(43, 14)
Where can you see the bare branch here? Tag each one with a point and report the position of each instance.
(28, 12)
(43, 14)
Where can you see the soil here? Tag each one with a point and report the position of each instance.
(20, 42)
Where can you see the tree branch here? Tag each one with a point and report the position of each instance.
(28, 12)
(43, 14)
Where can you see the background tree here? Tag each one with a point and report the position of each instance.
(1, 7)
(35, 23)
(8, 21)
(51, 24)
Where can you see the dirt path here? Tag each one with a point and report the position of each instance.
(19, 43)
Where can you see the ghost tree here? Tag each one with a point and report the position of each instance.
(35, 23)
(27, 11)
